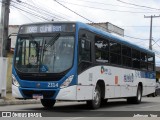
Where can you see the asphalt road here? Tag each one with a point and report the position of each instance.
(79, 110)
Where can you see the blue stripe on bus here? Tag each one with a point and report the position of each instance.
(150, 75)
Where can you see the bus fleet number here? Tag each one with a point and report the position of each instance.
(51, 84)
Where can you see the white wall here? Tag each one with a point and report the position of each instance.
(13, 29)
(3, 76)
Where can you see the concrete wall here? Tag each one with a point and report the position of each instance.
(9, 72)
(12, 29)
(3, 74)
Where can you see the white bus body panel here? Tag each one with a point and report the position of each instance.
(76, 92)
(15, 92)
(119, 82)
(68, 93)
(85, 92)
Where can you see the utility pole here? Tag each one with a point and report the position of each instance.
(150, 37)
(4, 24)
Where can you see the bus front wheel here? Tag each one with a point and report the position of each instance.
(96, 102)
(48, 103)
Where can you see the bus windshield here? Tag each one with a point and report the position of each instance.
(49, 54)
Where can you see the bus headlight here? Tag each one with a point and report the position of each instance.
(14, 81)
(67, 82)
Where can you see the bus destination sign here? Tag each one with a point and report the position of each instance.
(46, 28)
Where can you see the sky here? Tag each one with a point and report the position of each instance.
(127, 16)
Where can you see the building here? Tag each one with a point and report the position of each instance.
(108, 27)
(13, 30)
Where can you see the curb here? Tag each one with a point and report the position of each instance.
(18, 102)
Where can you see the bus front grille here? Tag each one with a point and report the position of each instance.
(46, 93)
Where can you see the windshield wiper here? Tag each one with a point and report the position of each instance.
(52, 40)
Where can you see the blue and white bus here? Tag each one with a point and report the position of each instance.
(75, 61)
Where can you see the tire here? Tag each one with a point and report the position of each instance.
(148, 95)
(96, 102)
(154, 94)
(48, 103)
(138, 98)
(104, 101)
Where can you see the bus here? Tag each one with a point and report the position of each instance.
(73, 61)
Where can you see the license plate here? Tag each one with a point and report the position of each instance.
(37, 96)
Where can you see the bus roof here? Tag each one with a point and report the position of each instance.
(113, 37)
(100, 32)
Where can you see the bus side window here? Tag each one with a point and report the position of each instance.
(84, 50)
(84, 53)
(136, 58)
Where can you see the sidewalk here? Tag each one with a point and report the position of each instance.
(9, 100)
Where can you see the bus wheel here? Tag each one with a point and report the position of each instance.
(104, 101)
(96, 102)
(48, 103)
(154, 94)
(137, 99)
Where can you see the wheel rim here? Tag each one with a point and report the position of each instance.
(96, 96)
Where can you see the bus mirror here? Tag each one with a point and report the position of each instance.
(8, 44)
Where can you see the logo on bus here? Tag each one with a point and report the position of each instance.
(102, 69)
(129, 77)
(105, 70)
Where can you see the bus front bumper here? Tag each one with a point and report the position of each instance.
(30, 93)
(74, 92)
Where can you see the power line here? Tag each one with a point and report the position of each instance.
(137, 5)
(31, 13)
(24, 15)
(34, 8)
(139, 26)
(135, 37)
(73, 11)
(34, 5)
(155, 42)
(48, 8)
(78, 15)
(105, 8)
(91, 20)
(47, 12)
(94, 2)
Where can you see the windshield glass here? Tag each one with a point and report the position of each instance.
(52, 54)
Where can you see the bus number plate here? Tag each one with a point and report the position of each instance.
(37, 96)
(52, 84)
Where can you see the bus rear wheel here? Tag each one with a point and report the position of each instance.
(48, 103)
(96, 102)
(137, 99)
